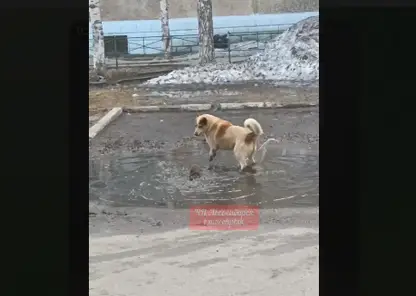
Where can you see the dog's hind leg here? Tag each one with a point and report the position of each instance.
(243, 165)
(246, 167)
(251, 160)
(243, 161)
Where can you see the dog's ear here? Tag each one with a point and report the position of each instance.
(203, 121)
(198, 114)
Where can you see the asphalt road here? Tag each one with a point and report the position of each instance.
(140, 242)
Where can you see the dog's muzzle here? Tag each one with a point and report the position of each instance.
(196, 134)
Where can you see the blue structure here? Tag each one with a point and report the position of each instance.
(148, 32)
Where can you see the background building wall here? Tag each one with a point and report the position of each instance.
(117, 10)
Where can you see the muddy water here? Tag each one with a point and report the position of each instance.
(158, 176)
(158, 179)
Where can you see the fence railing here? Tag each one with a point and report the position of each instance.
(217, 30)
(185, 47)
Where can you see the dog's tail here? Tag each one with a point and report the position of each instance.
(255, 127)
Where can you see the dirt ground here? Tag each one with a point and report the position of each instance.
(102, 99)
(122, 73)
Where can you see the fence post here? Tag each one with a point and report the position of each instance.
(115, 50)
(229, 51)
(144, 47)
(257, 38)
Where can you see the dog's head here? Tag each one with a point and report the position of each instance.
(201, 125)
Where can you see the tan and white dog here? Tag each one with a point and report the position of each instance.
(222, 134)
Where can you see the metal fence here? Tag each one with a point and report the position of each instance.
(124, 51)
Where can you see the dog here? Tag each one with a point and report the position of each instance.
(222, 134)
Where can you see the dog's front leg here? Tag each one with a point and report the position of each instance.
(212, 148)
(212, 153)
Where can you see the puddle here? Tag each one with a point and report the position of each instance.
(144, 160)
(286, 177)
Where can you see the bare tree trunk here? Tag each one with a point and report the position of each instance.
(164, 19)
(206, 32)
(98, 37)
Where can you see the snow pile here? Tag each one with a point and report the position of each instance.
(291, 56)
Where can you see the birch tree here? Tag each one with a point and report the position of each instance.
(164, 19)
(205, 31)
(98, 37)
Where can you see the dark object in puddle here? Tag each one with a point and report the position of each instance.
(194, 172)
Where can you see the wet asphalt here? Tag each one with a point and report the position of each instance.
(144, 160)
(140, 192)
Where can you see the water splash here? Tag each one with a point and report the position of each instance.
(156, 179)
(263, 148)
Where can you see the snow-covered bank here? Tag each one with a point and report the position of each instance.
(292, 56)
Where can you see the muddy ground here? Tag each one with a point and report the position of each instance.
(144, 160)
(114, 75)
(102, 99)
(140, 194)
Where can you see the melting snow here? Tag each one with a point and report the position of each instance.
(291, 56)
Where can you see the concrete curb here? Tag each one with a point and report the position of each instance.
(168, 108)
(261, 105)
(216, 107)
(104, 121)
(116, 112)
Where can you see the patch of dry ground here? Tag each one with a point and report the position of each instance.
(103, 99)
(130, 72)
